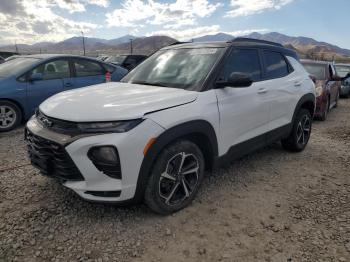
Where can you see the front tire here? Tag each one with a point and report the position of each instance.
(176, 177)
(10, 116)
(301, 131)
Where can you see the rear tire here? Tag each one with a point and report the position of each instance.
(301, 131)
(176, 177)
(347, 95)
(10, 116)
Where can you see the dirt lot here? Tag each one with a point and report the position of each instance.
(269, 206)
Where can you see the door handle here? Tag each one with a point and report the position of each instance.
(262, 91)
(298, 83)
(68, 84)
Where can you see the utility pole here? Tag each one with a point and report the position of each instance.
(131, 46)
(82, 33)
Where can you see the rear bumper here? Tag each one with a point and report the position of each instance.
(320, 106)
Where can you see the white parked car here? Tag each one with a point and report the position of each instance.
(187, 108)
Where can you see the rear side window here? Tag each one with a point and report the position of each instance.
(87, 68)
(276, 65)
(317, 71)
(243, 61)
(131, 60)
(109, 68)
(134, 60)
(56, 69)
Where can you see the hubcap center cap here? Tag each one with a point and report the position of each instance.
(180, 176)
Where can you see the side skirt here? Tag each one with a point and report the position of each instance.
(251, 145)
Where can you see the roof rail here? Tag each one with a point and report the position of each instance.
(178, 43)
(244, 39)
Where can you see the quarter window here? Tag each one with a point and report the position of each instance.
(276, 65)
(87, 68)
(243, 61)
(57, 69)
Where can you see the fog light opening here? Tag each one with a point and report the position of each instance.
(106, 160)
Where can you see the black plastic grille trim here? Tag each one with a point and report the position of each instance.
(104, 193)
(51, 158)
(60, 126)
(109, 169)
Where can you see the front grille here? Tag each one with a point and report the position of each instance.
(51, 158)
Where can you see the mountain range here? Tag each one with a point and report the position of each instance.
(306, 47)
(93, 46)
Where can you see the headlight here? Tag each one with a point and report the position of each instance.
(109, 127)
(319, 91)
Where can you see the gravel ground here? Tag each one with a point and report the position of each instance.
(269, 206)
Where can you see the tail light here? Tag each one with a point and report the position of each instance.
(108, 76)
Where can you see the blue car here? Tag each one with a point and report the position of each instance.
(26, 81)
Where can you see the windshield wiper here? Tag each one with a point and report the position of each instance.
(149, 83)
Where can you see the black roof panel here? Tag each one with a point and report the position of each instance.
(238, 42)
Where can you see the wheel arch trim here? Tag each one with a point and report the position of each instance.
(307, 98)
(201, 127)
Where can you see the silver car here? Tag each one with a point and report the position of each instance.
(343, 70)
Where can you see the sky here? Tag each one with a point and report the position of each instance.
(31, 21)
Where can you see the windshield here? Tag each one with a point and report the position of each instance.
(318, 71)
(179, 68)
(116, 59)
(15, 66)
(342, 71)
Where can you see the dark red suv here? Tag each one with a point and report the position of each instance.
(327, 86)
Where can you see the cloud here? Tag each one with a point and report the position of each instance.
(70, 5)
(171, 15)
(11, 7)
(73, 6)
(41, 27)
(249, 7)
(35, 20)
(102, 3)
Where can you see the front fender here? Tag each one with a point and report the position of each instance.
(201, 127)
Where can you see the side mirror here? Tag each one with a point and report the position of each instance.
(36, 77)
(336, 78)
(236, 80)
(345, 77)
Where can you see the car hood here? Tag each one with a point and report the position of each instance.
(113, 101)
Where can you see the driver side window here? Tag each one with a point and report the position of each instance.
(56, 69)
(243, 61)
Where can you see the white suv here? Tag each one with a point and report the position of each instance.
(186, 109)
